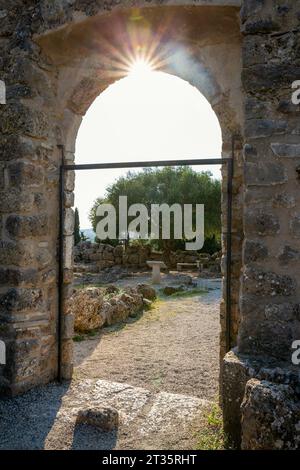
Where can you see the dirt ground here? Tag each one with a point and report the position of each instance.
(160, 372)
(173, 347)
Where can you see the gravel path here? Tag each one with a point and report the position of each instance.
(173, 347)
(160, 372)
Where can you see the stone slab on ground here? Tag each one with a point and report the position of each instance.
(45, 418)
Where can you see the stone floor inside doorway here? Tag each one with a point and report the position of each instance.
(160, 372)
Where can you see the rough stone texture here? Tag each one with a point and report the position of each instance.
(146, 291)
(94, 307)
(260, 402)
(107, 419)
(86, 305)
(94, 257)
(270, 416)
(270, 292)
(50, 87)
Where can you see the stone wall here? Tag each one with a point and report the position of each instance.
(103, 256)
(106, 256)
(270, 291)
(49, 89)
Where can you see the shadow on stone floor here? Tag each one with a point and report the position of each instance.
(25, 421)
(89, 438)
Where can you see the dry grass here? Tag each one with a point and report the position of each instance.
(211, 437)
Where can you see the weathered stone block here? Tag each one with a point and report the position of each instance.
(19, 299)
(264, 174)
(67, 371)
(270, 416)
(260, 128)
(251, 8)
(254, 251)
(68, 251)
(11, 147)
(12, 253)
(286, 150)
(68, 326)
(27, 226)
(108, 256)
(263, 283)
(287, 107)
(16, 200)
(17, 276)
(260, 26)
(68, 199)
(69, 222)
(67, 351)
(25, 174)
(104, 418)
(288, 255)
(269, 330)
(284, 200)
(256, 109)
(84, 94)
(261, 223)
(44, 256)
(15, 118)
(263, 77)
(234, 376)
(295, 226)
(70, 181)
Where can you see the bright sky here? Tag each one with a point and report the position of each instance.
(146, 116)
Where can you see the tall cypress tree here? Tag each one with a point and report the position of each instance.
(77, 236)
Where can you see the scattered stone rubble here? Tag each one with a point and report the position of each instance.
(95, 307)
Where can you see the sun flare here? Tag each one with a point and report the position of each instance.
(140, 68)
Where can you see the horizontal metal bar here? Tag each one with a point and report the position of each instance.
(108, 166)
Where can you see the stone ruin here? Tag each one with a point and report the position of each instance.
(94, 308)
(243, 55)
(95, 257)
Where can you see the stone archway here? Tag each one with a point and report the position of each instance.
(199, 44)
(93, 59)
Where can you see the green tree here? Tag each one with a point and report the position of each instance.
(77, 235)
(83, 238)
(168, 185)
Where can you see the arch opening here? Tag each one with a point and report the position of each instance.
(201, 45)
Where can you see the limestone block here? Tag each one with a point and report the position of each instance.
(69, 221)
(265, 283)
(260, 222)
(27, 226)
(68, 326)
(25, 174)
(19, 299)
(68, 251)
(18, 254)
(286, 150)
(107, 419)
(254, 251)
(259, 128)
(270, 416)
(295, 226)
(264, 174)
